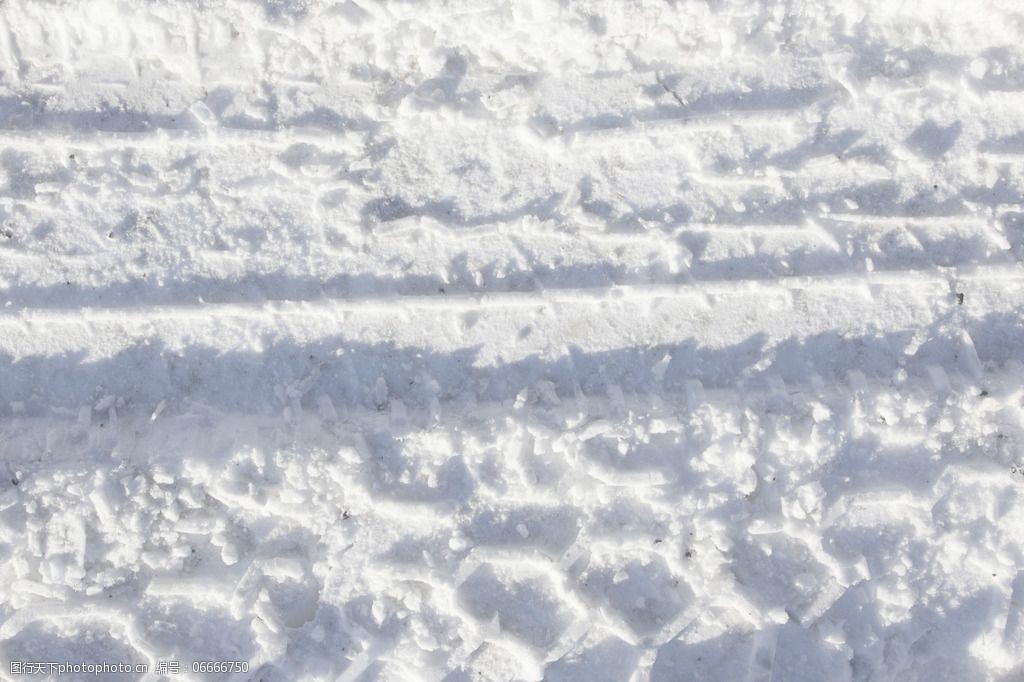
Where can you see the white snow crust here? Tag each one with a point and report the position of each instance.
(570, 340)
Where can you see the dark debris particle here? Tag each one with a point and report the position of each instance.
(689, 554)
(658, 541)
(345, 515)
(14, 481)
(983, 393)
(960, 298)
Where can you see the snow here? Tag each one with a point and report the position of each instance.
(568, 340)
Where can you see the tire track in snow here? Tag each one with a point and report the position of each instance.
(925, 281)
(576, 452)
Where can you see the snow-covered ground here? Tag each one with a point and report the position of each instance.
(463, 340)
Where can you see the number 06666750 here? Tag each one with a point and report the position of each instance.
(220, 666)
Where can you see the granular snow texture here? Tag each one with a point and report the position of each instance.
(473, 340)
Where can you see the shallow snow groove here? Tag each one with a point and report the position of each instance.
(570, 340)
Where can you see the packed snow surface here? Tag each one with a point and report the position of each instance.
(479, 340)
